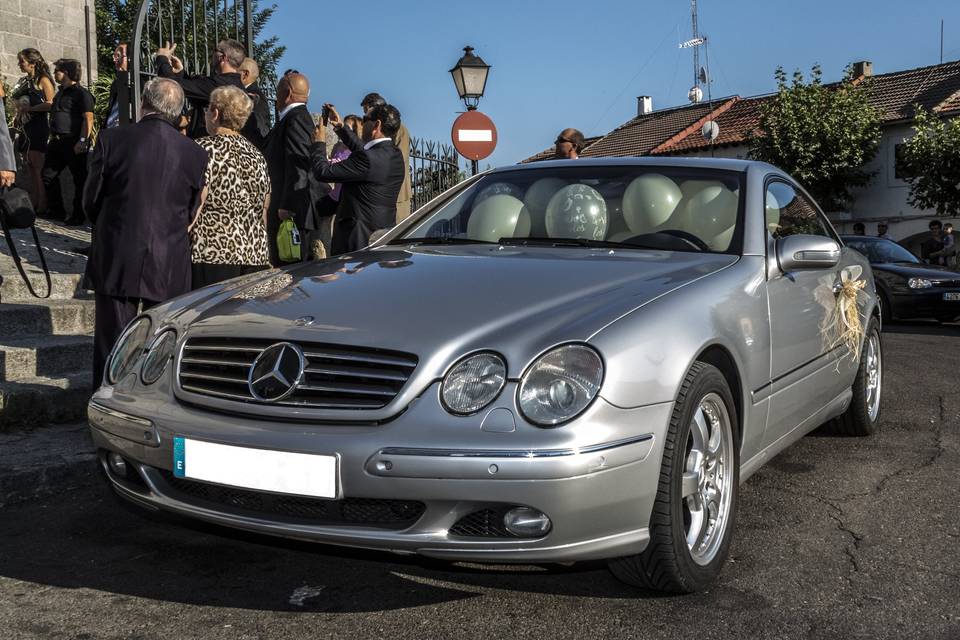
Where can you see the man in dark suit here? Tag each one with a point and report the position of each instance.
(287, 151)
(258, 124)
(143, 187)
(227, 58)
(118, 112)
(371, 176)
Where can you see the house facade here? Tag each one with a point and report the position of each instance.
(56, 28)
(677, 132)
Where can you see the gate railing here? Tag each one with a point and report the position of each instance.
(195, 25)
(434, 168)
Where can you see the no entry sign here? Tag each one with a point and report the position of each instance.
(474, 135)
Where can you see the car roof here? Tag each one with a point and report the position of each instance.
(848, 236)
(730, 164)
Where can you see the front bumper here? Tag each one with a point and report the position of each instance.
(926, 303)
(598, 491)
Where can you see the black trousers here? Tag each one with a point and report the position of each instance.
(112, 317)
(60, 156)
(205, 273)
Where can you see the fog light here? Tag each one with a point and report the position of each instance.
(526, 522)
(118, 466)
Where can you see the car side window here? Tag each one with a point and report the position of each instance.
(790, 213)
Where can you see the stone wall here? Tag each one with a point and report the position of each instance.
(54, 27)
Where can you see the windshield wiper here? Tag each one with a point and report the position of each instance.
(570, 242)
(438, 240)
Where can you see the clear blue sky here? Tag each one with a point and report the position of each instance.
(560, 63)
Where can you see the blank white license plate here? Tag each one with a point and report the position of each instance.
(303, 474)
(953, 295)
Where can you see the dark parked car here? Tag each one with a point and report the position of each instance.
(909, 288)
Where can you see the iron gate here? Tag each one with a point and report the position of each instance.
(434, 168)
(195, 25)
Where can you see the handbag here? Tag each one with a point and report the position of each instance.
(288, 241)
(16, 212)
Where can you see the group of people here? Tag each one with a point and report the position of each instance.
(197, 189)
(54, 123)
(941, 247)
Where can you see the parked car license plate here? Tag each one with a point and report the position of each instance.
(302, 474)
(953, 295)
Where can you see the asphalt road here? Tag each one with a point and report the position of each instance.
(836, 538)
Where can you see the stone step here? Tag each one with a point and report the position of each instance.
(36, 401)
(50, 356)
(64, 286)
(52, 317)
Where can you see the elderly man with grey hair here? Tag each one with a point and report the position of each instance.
(144, 185)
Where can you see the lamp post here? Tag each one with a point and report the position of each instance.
(470, 78)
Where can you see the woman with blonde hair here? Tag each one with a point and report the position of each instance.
(229, 233)
(33, 96)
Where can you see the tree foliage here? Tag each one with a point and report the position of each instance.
(822, 135)
(930, 162)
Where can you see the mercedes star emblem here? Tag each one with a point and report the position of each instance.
(276, 372)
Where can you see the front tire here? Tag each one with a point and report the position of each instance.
(693, 515)
(863, 414)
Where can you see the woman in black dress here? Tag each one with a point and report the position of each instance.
(33, 96)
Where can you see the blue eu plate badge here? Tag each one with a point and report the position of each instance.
(179, 458)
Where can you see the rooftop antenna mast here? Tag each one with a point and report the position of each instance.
(696, 93)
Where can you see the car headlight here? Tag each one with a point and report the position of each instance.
(159, 354)
(473, 383)
(128, 350)
(919, 283)
(560, 384)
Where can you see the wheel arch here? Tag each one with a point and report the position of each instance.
(719, 357)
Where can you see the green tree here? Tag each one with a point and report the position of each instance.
(822, 135)
(930, 162)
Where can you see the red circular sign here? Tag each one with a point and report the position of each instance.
(474, 135)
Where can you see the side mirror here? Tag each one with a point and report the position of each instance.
(807, 252)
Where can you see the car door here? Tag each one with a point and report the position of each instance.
(803, 369)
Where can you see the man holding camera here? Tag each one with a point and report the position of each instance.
(371, 177)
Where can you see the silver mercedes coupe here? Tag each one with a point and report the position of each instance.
(552, 362)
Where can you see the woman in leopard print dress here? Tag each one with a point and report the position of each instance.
(229, 233)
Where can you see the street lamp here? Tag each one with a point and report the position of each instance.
(470, 77)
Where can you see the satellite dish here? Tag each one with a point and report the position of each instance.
(703, 75)
(711, 130)
(695, 94)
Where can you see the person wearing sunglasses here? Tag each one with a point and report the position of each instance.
(568, 145)
(224, 70)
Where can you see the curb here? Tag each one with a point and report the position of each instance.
(42, 462)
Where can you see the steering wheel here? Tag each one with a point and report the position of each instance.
(687, 237)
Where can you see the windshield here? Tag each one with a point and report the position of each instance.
(643, 207)
(880, 251)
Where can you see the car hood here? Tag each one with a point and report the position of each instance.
(440, 303)
(929, 271)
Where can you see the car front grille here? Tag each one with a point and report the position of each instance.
(336, 376)
(371, 512)
(954, 283)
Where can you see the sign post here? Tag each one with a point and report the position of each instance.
(474, 137)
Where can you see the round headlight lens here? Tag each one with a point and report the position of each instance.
(158, 356)
(128, 350)
(560, 384)
(473, 383)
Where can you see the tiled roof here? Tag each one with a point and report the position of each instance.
(642, 134)
(736, 124)
(894, 94)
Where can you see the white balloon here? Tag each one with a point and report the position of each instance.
(710, 211)
(538, 195)
(498, 188)
(772, 212)
(499, 216)
(577, 211)
(649, 201)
